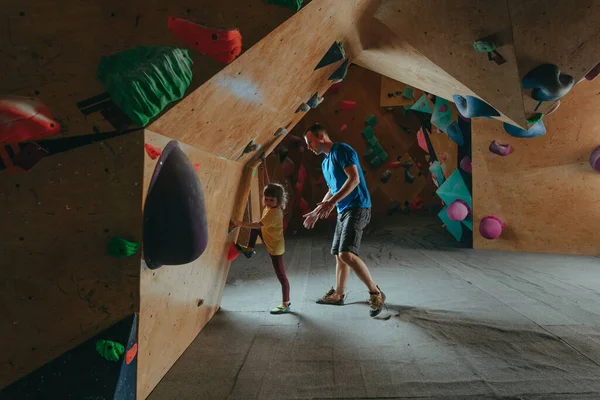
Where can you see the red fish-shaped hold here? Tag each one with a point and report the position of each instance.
(25, 118)
(222, 45)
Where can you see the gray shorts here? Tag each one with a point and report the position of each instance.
(349, 230)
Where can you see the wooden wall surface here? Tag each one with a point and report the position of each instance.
(545, 191)
(58, 284)
(170, 317)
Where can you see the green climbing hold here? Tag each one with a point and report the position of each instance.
(408, 93)
(293, 4)
(142, 81)
(112, 351)
(535, 118)
(372, 141)
(371, 120)
(120, 247)
(484, 46)
(368, 132)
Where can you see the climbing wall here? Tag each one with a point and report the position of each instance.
(64, 210)
(60, 285)
(486, 49)
(395, 134)
(544, 191)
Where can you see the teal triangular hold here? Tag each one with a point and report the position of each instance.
(454, 188)
(293, 4)
(334, 54)
(468, 222)
(422, 105)
(442, 115)
(436, 171)
(371, 120)
(340, 73)
(408, 92)
(368, 132)
(454, 227)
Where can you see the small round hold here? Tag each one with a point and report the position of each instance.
(491, 227)
(595, 159)
(458, 210)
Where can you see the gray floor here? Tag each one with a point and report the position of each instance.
(460, 324)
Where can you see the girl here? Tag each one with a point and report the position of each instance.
(270, 230)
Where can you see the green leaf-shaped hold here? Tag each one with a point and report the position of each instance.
(120, 247)
(293, 4)
(142, 81)
(110, 350)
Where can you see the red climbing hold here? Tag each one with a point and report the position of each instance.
(299, 186)
(197, 166)
(395, 164)
(417, 204)
(233, 252)
(131, 353)
(343, 128)
(25, 118)
(335, 88)
(153, 151)
(348, 105)
(223, 45)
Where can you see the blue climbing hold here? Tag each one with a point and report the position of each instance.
(538, 129)
(453, 131)
(472, 107)
(547, 82)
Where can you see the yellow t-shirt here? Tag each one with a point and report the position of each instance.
(272, 230)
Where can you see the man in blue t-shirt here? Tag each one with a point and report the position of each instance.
(348, 191)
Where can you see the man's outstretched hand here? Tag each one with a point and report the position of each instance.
(324, 208)
(310, 219)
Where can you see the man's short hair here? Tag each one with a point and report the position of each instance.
(316, 129)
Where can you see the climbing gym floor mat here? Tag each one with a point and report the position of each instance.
(459, 323)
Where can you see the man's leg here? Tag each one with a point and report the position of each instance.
(342, 270)
(359, 267)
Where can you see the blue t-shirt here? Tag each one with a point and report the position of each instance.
(342, 156)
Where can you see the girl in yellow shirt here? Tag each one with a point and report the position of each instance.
(270, 230)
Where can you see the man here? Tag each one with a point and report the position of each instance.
(348, 191)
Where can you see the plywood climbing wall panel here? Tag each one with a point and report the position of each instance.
(59, 286)
(170, 314)
(448, 43)
(258, 93)
(561, 32)
(53, 52)
(545, 191)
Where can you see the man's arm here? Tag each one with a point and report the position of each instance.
(351, 183)
(328, 196)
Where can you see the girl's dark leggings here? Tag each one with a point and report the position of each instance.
(277, 262)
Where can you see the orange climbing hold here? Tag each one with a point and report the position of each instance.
(152, 151)
(222, 45)
(24, 118)
(197, 166)
(131, 353)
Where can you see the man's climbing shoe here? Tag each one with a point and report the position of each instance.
(281, 309)
(246, 251)
(376, 301)
(329, 298)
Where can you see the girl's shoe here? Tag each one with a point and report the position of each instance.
(246, 251)
(281, 309)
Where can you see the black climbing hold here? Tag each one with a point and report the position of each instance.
(390, 95)
(547, 82)
(214, 36)
(175, 224)
(200, 302)
(22, 14)
(334, 54)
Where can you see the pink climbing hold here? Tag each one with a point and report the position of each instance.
(152, 151)
(444, 156)
(491, 227)
(458, 210)
(595, 159)
(343, 128)
(500, 149)
(421, 141)
(348, 105)
(466, 165)
(443, 108)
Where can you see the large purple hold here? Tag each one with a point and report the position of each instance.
(175, 226)
(595, 159)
